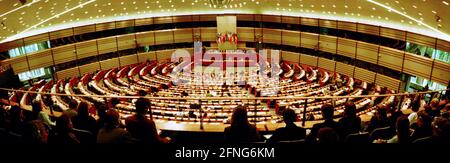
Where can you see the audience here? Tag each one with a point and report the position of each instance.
(41, 114)
(379, 120)
(101, 112)
(327, 113)
(327, 135)
(110, 133)
(142, 128)
(240, 130)
(62, 133)
(16, 123)
(441, 132)
(72, 110)
(291, 131)
(415, 105)
(350, 123)
(83, 120)
(403, 132)
(423, 127)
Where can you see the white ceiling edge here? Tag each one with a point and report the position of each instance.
(397, 26)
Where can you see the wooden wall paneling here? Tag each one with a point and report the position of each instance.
(327, 23)
(164, 55)
(272, 36)
(36, 39)
(368, 29)
(385, 81)
(348, 26)
(183, 35)
(163, 37)
(271, 18)
(67, 73)
(145, 38)
(345, 69)
(291, 38)
(309, 21)
(246, 34)
(367, 52)
(327, 44)
(441, 72)
(40, 59)
(83, 29)
(209, 34)
(245, 17)
(391, 58)
(211, 17)
(417, 65)
(11, 45)
(346, 47)
(420, 39)
(89, 68)
(392, 33)
(309, 40)
(365, 75)
(308, 60)
(107, 45)
(163, 20)
(86, 49)
(327, 64)
(105, 26)
(61, 33)
(144, 21)
(109, 64)
(125, 23)
(19, 64)
(290, 56)
(63, 54)
(126, 42)
(290, 19)
(183, 18)
(128, 60)
(443, 45)
(149, 56)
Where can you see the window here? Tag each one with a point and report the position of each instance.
(31, 74)
(28, 49)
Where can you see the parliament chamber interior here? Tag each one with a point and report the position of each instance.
(224, 71)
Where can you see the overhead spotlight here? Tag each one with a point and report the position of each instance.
(23, 1)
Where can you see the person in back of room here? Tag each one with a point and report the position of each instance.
(291, 131)
(142, 128)
(62, 134)
(240, 130)
(350, 123)
(379, 120)
(403, 132)
(110, 133)
(327, 114)
(72, 111)
(423, 126)
(83, 120)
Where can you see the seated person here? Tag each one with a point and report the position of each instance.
(110, 133)
(327, 135)
(291, 131)
(327, 113)
(142, 128)
(241, 130)
(350, 123)
(83, 120)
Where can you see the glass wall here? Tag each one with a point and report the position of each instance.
(428, 52)
(28, 49)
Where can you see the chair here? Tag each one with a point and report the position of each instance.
(85, 137)
(382, 133)
(357, 138)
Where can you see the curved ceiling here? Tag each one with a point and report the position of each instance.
(428, 17)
